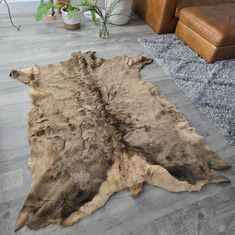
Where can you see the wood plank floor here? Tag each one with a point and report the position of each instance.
(155, 211)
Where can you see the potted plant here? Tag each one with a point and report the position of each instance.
(43, 10)
(71, 15)
(122, 12)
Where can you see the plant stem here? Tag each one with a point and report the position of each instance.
(9, 13)
(103, 32)
(52, 8)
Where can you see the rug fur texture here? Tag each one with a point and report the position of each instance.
(209, 86)
(95, 128)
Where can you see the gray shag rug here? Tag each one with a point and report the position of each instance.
(211, 87)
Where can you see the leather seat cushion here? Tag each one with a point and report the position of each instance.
(190, 3)
(216, 23)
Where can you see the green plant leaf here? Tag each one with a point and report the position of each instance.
(85, 2)
(71, 9)
(93, 16)
(56, 5)
(43, 10)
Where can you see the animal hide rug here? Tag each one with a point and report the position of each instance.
(95, 128)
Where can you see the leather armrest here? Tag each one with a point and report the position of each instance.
(159, 14)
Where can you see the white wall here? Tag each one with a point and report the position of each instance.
(10, 1)
(19, 6)
(24, 6)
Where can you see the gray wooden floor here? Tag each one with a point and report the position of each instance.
(155, 211)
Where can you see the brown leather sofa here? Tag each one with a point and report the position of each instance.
(207, 26)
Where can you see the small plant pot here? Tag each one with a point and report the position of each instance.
(73, 22)
(50, 17)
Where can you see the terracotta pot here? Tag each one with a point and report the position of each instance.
(50, 17)
(123, 8)
(73, 22)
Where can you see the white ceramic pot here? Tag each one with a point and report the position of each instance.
(73, 22)
(124, 8)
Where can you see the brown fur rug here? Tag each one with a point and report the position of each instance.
(95, 128)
